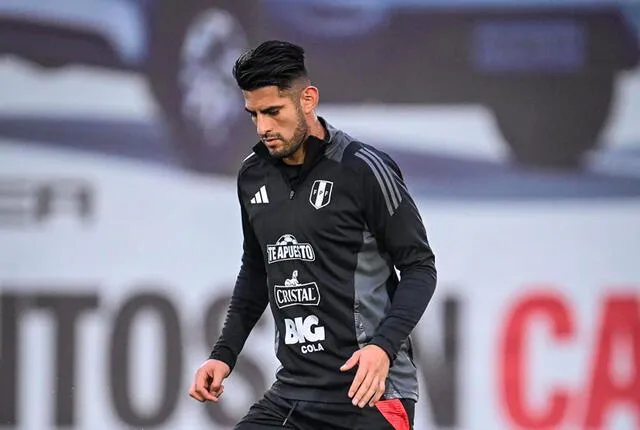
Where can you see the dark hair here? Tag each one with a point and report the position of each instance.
(271, 63)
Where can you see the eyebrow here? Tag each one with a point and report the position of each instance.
(265, 111)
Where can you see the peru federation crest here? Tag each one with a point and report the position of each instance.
(320, 193)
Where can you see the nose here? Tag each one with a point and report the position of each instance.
(263, 124)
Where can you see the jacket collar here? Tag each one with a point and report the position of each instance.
(314, 146)
(314, 151)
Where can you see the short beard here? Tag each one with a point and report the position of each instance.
(299, 136)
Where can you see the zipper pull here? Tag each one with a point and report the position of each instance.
(291, 194)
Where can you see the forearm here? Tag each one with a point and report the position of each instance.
(395, 221)
(409, 303)
(248, 302)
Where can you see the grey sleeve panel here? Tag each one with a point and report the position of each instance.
(371, 304)
(371, 297)
(393, 217)
(402, 382)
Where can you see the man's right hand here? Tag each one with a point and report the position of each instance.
(207, 384)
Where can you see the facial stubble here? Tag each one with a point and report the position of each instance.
(291, 146)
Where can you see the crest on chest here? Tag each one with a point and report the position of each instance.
(320, 195)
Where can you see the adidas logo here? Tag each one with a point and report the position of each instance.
(261, 196)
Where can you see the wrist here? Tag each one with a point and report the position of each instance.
(385, 346)
(224, 355)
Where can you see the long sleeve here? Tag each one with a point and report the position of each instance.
(248, 301)
(395, 221)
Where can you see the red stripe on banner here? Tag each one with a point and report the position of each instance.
(393, 411)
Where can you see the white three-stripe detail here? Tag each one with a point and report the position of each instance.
(263, 193)
(387, 179)
(261, 196)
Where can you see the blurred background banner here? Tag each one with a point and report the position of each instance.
(516, 123)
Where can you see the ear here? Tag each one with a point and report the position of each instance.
(309, 98)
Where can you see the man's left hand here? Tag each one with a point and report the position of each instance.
(369, 383)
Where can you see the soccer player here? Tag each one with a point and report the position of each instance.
(326, 221)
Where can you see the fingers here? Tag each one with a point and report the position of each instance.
(219, 374)
(193, 393)
(351, 362)
(366, 390)
(357, 381)
(216, 393)
(201, 396)
(379, 392)
(207, 383)
(193, 390)
(216, 382)
(371, 390)
(369, 381)
(200, 387)
(203, 385)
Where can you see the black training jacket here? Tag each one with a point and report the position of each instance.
(322, 252)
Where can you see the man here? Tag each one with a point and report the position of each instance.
(326, 220)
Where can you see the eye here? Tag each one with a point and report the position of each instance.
(273, 112)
